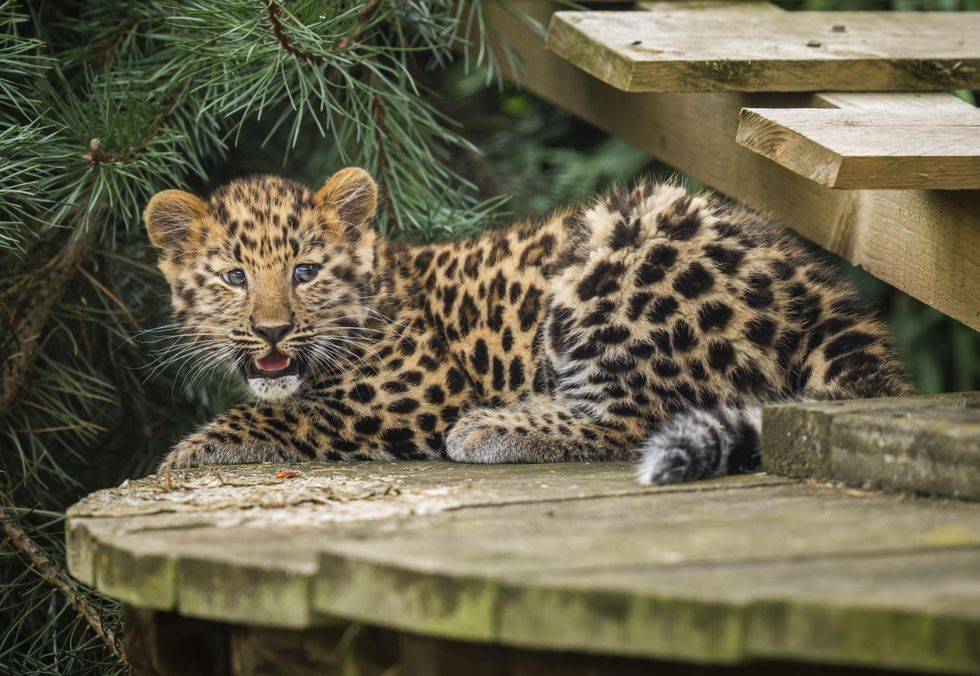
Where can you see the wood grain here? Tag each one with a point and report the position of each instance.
(873, 149)
(700, 50)
(924, 242)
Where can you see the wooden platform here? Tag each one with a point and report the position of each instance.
(723, 49)
(744, 570)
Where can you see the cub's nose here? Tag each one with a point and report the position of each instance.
(272, 333)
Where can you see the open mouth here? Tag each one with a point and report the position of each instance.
(273, 365)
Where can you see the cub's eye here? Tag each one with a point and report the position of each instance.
(305, 273)
(233, 277)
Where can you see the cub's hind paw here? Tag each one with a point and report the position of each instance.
(199, 449)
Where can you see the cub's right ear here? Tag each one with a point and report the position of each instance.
(170, 217)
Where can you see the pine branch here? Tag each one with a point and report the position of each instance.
(25, 338)
(368, 11)
(378, 114)
(53, 574)
(275, 12)
(116, 37)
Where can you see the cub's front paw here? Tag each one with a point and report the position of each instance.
(201, 449)
(477, 437)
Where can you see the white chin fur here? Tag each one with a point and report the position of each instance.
(274, 389)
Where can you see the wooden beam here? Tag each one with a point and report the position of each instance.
(878, 148)
(926, 445)
(733, 49)
(939, 103)
(716, 5)
(926, 243)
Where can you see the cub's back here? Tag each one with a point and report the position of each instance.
(676, 299)
(686, 300)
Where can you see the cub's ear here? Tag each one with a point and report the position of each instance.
(170, 217)
(353, 194)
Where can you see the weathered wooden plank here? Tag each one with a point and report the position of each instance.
(361, 490)
(141, 571)
(868, 149)
(708, 572)
(924, 242)
(714, 5)
(854, 611)
(126, 540)
(479, 574)
(672, 529)
(164, 562)
(699, 50)
(939, 103)
(919, 444)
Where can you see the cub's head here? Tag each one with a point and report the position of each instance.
(267, 276)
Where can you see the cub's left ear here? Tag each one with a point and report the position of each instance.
(353, 194)
(171, 218)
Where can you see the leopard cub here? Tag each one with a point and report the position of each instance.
(650, 324)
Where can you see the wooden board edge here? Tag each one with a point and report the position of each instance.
(887, 74)
(794, 151)
(761, 131)
(651, 623)
(565, 40)
(811, 440)
(144, 580)
(918, 456)
(936, 102)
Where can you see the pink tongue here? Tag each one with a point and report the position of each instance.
(274, 362)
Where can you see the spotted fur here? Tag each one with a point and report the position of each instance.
(651, 320)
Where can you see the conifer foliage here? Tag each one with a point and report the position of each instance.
(102, 104)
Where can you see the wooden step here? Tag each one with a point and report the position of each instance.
(874, 149)
(563, 557)
(702, 50)
(926, 445)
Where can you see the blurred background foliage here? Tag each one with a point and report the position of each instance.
(102, 104)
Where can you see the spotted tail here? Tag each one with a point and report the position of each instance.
(700, 444)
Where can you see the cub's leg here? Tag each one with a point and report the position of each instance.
(227, 440)
(539, 429)
(322, 427)
(280, 432)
